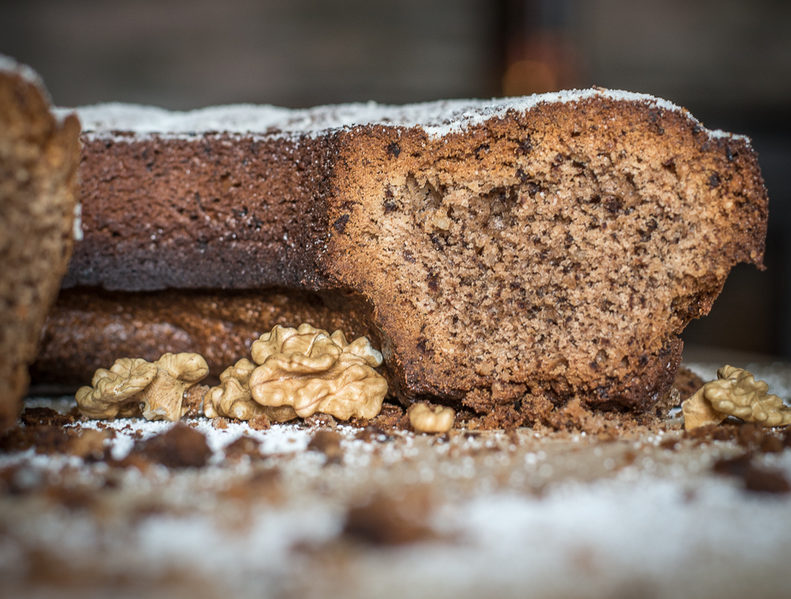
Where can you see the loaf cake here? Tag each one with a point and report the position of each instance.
(39, 155)
(502, 254)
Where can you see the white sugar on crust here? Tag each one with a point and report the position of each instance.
(10, 65)
(438, 118)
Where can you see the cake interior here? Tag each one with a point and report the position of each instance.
(552, 272)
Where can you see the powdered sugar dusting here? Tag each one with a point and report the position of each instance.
(28, 74)
(76, 231)
(437, 118)
(509, 517)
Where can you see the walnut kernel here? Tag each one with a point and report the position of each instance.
(735, 393)
(114, 392)
(163, 398)
(133, 386)
(232, 397)
(426, 418)
(312, 371)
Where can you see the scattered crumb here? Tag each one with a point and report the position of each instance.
(243, 446)
(46, 439)
(328, 443)
(373, 433)
(320, 420)
(89, 443)
(755, 478)
(261, 485)
(48, 416)
(385, 520)
(71, 497)
(178, 447)
(391, 417)
(260, 423)
(751, 437)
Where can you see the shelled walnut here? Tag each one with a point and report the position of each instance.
(312, 371)
(232, 397)
(735, 393)
(426, 418)
(133, 386)
(114, 392)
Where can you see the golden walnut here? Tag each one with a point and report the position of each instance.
(312, 371)
(426, 418)
(232, 398)
(132, 386)
(114, 392)
(735, 393)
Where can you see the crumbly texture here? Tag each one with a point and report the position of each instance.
(38, 164)
(533, 257)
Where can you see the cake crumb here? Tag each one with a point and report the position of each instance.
(754, 478)
(328, 443)
(260, 422)
(385, 520)
(241, 447)
(48, 416)
(178, 447)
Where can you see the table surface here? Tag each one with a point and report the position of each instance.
(638, 513)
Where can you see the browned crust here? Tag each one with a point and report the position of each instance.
(217, 212)
(38, 164)
(89, 328)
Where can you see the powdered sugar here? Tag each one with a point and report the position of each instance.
(77, 232)
(12, 66)
(508, 516)
(437, 118)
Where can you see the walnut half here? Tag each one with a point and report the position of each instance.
(232, 398)
(735, 393)
(426, 418)
(133, 386)
(312, 371)
(114, 392)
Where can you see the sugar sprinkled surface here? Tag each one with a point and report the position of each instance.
(558, 516)
(10, 65)
(437, 118)
(28, 74)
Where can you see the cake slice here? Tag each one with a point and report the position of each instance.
(503, 253)
(39, 155)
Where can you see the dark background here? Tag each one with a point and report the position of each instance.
(727, 61)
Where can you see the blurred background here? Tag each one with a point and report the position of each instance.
(727, 61)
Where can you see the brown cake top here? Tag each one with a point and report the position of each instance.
(437, 118)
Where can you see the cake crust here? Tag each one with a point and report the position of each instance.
(535, 248)
(38, 165)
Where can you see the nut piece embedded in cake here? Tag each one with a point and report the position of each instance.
(735, 393)
(313, 371)
(133, 386)
(426, 418)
